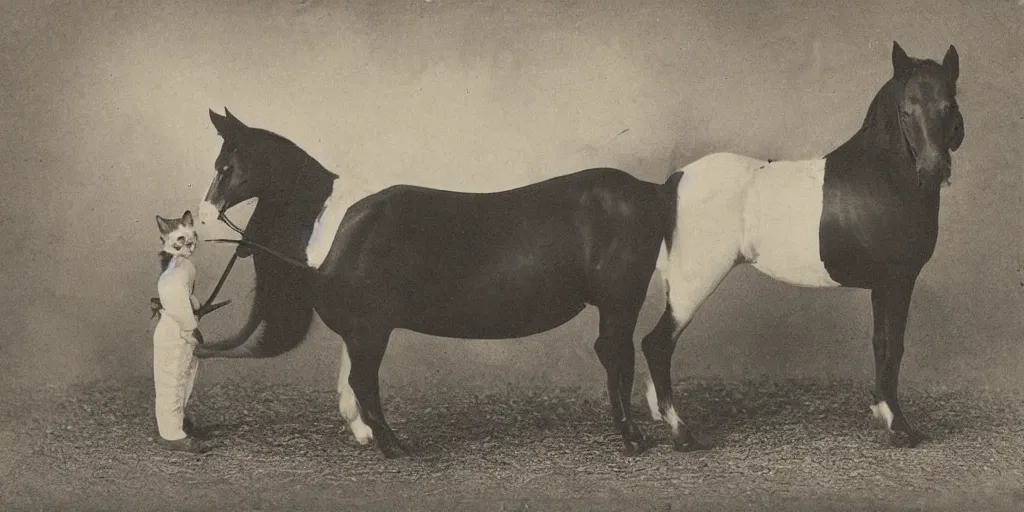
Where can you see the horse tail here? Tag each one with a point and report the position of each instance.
(669, 193)
(284, 305)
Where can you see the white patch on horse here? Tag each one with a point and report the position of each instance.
(672, 419)
(881, 411)
(735, 209)
(781, 216)
(347, 404)
(708, 231)
(652, 400)
(326, 226)
(670, 415)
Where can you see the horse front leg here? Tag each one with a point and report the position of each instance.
(365, 349)
(347, 403)
(890, 307)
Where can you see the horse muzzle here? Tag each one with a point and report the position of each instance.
(208, 213)
(936, 175)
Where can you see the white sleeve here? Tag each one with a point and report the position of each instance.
(176, 298)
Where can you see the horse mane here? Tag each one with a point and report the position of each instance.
(879, 133)
(308, 162)
(882, 110)
(283, 301)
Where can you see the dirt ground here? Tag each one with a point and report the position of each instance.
(777, 445)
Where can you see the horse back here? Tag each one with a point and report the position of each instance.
(536, 254)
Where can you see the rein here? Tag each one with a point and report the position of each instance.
(209, 306)
(234, 227)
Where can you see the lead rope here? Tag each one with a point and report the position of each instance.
(209, 307)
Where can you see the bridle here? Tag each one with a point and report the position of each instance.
(903, 129)
(209, 306)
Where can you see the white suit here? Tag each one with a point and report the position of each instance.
(174, 366)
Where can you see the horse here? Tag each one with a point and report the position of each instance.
(864, 216)
(497, 265)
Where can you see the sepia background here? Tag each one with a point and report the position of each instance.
(104, 124)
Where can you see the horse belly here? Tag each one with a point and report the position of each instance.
(479, 318)
(492, 287)
(490, 303)
(782, 218)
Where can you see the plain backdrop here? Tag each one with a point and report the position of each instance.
(104, 124)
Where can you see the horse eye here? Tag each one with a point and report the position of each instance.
(181, 238)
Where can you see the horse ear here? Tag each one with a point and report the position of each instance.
(186, 218)
(234, 120)
(227, 125)
(164, 225)
(952, 63)
(221, 123)
(900, 60)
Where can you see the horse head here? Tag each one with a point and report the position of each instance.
(291, 187)
(257, 163)
(928, 115)
(239, 176)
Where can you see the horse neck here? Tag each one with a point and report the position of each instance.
(880, 149)
(284, 221)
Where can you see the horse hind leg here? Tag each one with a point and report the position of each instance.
(366, 352)
(614, 348)
(347, 403)
(688, 288)
(658, 347)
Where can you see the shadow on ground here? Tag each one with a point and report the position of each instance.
(788, 444)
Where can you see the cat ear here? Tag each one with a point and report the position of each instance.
(165, 225)
(186, 218)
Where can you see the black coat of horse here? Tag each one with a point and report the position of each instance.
(460, 265)
(864, 216)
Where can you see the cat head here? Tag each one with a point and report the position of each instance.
(178, 235)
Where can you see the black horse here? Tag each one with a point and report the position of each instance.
(460, 265)
(864, 216)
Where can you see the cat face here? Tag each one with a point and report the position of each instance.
(178, 235)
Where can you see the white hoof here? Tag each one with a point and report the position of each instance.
(881, 411)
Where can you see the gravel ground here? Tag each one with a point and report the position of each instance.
(777, 444)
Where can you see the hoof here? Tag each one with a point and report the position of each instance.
(689, 444)
(906, 438)
(394, 452)
(392, 448)
(635, 447)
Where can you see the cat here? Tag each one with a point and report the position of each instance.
(176, 333)
(179, 238)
